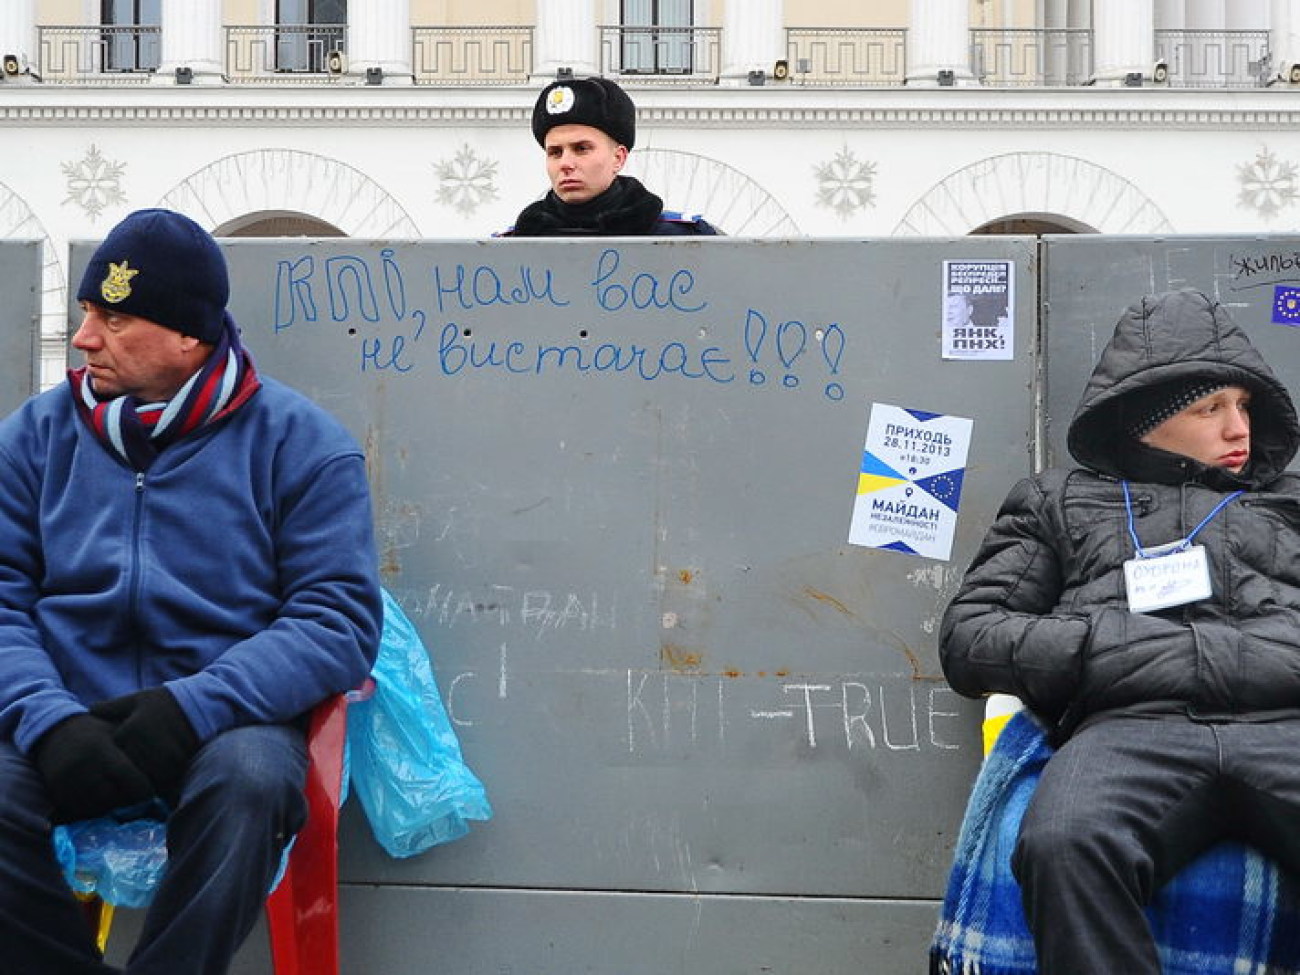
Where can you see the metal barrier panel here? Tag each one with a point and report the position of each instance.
(614, 486)
(20, 270)
(1088, 281)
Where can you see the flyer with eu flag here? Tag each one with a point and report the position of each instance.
(910, 483)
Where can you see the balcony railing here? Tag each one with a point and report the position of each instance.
(471, 55)
(1043, 58)
(816, 56)
(284, 53)
(661, 53)
(1214, 58)
(847, 56)
(102, 54)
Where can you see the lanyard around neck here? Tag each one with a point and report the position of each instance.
(1132, 530)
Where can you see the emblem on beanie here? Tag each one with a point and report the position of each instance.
(560, 100)
(117, 286)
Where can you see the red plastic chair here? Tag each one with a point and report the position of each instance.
(302, 912)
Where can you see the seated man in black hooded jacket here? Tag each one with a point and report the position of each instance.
(1145, 606)
(587, 127)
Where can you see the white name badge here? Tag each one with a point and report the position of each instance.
(1169, 575)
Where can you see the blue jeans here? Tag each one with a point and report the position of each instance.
(1123, 806)
(241, 801)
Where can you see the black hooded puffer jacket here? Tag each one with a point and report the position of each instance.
(1043, 614)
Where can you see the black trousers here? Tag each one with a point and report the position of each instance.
(1123, 806)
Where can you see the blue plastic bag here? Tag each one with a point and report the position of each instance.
(406, 763)
(121, 862)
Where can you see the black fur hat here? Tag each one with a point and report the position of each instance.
(597, 102)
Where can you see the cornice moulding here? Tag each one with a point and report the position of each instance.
(687, 108)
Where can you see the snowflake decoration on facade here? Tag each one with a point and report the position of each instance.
(845, 184)
(465, 181)
(1267, 185)
(94, 183)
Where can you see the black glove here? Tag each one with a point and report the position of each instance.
(85, 772)
(150, 727)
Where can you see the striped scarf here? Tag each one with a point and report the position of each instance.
(137, 432)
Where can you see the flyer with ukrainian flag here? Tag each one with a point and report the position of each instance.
(910, 483)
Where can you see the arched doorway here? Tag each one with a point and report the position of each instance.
(1032, 224)
(277, 223)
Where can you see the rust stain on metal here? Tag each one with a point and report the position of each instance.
(686, 576)
(917, 672)
(677, 657)
(830, 600)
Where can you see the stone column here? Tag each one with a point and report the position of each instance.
(1206, 14)
(1123, 40)
(192, 38)
(1170, 15)
(938, 39)
(753, 38)
(1245, 14)
(1243, 67)
(18, 39)
(1063, 53)
(1056, 14)
(565, 37)
(1284, 43)
(379, 36)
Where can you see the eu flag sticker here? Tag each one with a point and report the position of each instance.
(1286, 305)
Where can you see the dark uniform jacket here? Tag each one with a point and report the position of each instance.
(626, 209)
(1043, 612)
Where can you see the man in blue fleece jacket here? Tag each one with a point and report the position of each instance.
(187, 567)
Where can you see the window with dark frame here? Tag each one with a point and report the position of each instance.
(126, 46)
(308, 30)
(657, 36)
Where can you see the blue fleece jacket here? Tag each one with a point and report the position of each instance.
(239, 571)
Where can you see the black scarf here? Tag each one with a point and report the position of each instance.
(626, 209)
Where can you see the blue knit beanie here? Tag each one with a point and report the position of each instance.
(161, 265)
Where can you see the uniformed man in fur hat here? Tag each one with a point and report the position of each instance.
(587, 127)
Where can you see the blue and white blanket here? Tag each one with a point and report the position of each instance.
(1230, 912)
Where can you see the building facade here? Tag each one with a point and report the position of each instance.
(409, 118)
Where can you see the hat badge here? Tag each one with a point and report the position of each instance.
(560, 100)
(117, 286)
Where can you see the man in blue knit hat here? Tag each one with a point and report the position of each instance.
(587, 126)
(187, 567)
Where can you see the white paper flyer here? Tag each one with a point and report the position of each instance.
(910, 483)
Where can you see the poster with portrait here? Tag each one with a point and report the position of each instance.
(979, 310)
